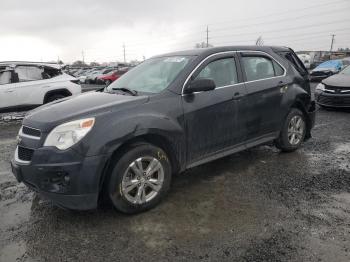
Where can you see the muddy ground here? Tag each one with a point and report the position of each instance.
(257, 205)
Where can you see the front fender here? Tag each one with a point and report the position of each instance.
(112, 134)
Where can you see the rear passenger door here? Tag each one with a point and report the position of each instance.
(265, 85)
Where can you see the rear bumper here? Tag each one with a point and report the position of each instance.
(312, 114)
(69, 184)
(311, 117)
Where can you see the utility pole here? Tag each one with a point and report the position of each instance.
(124, 53)
(207, 36)
(83, 56)
(332, 46)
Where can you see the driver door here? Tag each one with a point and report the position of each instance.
(212, 117)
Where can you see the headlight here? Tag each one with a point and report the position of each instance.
(68, 134)
(320, 87)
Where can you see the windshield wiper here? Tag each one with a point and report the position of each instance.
(127, 90)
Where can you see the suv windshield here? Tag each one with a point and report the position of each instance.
(153, 75)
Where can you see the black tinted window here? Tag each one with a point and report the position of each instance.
(257, 67)
(298, 65)
(278, 69)
(223, 72)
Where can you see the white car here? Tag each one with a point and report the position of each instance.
(306, 59)
(25, 85)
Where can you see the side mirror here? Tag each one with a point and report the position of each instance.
(200, 85)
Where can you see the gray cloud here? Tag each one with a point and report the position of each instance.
(156, 24)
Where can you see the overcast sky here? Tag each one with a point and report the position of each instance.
(41, 30)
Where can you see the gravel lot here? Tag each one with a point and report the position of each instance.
(257, 205)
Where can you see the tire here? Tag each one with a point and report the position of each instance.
(293, 132)
(127, 180)
(55, 97)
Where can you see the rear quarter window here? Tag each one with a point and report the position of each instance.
(295, 61)
(260, 67)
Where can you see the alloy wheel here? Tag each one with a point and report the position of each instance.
(142, 180)
(296, 130)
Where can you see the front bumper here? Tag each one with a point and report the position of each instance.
(66, 178)
(332, 100)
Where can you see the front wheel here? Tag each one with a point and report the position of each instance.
(293, 132)
(140, 179)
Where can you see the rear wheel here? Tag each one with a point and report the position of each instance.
(293, 132)
(140, 179)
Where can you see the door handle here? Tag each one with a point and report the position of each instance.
(237, 96)
(281, 84)
(9, 91)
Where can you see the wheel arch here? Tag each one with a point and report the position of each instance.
(153, 139)
(300, 103)
(61, 91)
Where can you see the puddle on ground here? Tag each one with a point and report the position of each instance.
(342, 148)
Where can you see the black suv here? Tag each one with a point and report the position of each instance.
(170, 113)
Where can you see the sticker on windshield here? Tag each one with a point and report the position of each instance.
(174, 59)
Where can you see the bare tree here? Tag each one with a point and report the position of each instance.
(259, 41)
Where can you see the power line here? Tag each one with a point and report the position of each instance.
(172, 37)
(285, 29)
(278, 21)
(290, 11)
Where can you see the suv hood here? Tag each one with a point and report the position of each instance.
(84, 105)
(340, 80)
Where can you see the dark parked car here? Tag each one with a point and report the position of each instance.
(334, 91)
(171, 113)
(326, 69)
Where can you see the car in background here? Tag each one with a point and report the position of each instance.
(326, 69)
(306, 59)
(334, 91)
(110, 77)
(92, 77)
(83, 75)
(25, 85)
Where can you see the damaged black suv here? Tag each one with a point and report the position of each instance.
(170, 113)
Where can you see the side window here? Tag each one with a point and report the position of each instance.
(223, 72)
(29, 73)
(258, 67)
(298, 65)
(5, 77)
(279, 71)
